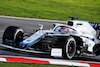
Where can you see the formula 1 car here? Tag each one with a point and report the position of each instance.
(75, 37)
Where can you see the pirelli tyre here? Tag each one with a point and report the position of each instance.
(70, 48)
(12, 35)
(68, 45)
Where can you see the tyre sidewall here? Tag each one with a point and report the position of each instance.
(16, 33)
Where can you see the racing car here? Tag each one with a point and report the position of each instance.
(73, 38)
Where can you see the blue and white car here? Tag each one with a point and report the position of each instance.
(73, 38)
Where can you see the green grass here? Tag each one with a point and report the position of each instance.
(7, 64)
(52, 9)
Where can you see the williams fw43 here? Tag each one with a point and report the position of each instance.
(67, 40)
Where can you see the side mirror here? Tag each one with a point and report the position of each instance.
(41, 26)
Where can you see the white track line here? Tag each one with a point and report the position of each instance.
(3, 59)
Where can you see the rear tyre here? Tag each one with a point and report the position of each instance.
(12, 35)
(70, 48)
(68, 45)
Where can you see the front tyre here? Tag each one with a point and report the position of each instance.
(69, 48)
(12, 35)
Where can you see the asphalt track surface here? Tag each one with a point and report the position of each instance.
(29, 25)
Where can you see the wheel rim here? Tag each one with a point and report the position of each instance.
(71, 48)
(19, 37)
